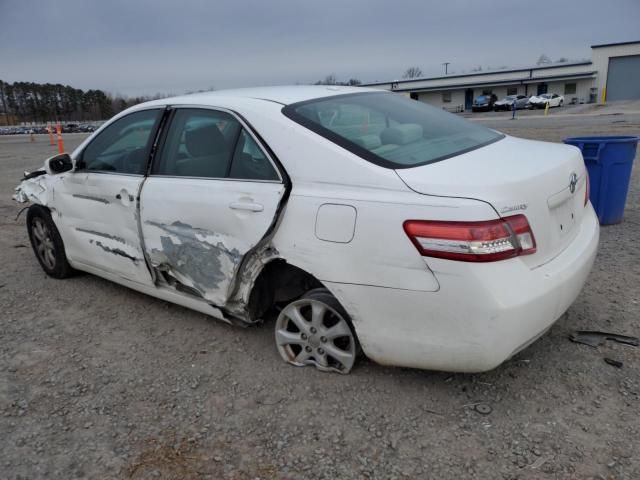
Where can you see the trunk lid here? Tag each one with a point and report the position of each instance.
(516, 176)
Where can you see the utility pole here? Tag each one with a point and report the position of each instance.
(446, 67)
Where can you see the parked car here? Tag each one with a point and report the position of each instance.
(540, 101)
(483, 103)
(70, 128)
(507, 102)
(361, 219)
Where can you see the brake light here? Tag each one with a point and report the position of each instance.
(586, 188)
(486, 241)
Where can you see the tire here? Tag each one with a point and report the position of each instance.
(561, 104)
(46, 243)
(316, 330)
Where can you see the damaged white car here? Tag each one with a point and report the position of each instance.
(366, 221)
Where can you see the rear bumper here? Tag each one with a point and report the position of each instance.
(482, 314)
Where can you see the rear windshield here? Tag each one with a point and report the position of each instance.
(389, 129)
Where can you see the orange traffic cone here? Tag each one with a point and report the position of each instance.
(50, 130)
(60, 141)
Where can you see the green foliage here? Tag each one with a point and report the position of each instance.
(43, 102)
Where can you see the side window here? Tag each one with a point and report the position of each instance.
(249, 161)
(122, 147)
(211, 144)
(199, 143)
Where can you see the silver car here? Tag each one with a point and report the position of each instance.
(507, 102)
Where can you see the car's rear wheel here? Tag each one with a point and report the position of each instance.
(47, 243)
(316, 330)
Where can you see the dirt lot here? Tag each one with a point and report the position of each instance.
(97, 381)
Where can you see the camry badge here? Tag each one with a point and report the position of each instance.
(573, 181)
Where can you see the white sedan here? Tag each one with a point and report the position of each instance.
(364, 221)
(541, 101)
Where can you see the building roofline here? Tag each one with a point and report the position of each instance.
(519, 81)
(614, 44)
(479, 74)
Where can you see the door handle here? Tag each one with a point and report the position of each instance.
(252, 207)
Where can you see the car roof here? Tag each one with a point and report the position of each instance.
(284, 95)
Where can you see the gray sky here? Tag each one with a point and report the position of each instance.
(171, 46)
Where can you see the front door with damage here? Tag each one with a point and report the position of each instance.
(212, 196)
(97, 203)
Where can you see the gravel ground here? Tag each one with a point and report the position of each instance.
(98, 381)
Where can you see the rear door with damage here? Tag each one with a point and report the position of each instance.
(97, 202)
(212, 195)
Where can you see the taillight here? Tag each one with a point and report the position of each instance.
(586, 188)
(486, 241)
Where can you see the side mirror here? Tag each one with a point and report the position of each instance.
(58, 164)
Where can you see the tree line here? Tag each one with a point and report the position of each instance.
(43, 102)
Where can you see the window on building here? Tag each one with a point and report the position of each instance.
(569, 88)
(512, 90)
(446, 97)
(487, 92)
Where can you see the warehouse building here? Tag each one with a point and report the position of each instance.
(613, 73)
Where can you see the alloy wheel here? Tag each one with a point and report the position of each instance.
(43, 243)
(310, 332)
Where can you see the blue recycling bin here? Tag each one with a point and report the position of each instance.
(609, 161)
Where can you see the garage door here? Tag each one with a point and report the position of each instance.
(623, 79)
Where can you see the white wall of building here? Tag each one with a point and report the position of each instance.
(506, 76)
(600, 57)
(436, 97)
(590, 79)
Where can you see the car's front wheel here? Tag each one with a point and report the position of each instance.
(316, 330)
(47, 243)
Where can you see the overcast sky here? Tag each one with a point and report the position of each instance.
(146, 46)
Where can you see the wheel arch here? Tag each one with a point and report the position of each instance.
(279, 281)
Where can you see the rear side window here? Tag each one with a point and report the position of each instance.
(211, 144)
(250, 162)
(389, 129)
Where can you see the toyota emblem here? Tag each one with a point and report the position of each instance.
(573, 181)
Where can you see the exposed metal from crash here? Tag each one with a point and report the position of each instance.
(115, 251)
(101, 234)
(89, 197)
(195, 257)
